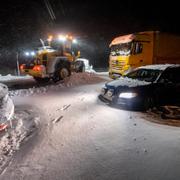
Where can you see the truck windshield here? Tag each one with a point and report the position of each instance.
(121, 49)
(148, 75)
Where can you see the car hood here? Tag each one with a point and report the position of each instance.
(127, 82)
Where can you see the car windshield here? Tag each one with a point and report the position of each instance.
(148, 75)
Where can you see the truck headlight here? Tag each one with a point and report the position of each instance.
(128, 95)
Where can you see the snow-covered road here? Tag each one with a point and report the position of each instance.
(82, 138)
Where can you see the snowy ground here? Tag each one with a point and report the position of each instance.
(79, 137)
(24, 122)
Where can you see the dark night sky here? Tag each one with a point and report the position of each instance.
(20, 19)
(23, 22)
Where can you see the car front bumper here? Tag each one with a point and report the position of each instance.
(132, 103)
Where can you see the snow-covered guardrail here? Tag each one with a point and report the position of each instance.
(6, 105)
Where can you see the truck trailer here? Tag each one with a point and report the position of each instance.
(143, 48)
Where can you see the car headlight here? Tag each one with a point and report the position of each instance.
(103, 90)
(110, 93)
(127, 95)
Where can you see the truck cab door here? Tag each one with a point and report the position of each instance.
(137, 58)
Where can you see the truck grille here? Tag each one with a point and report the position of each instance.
(117, 65)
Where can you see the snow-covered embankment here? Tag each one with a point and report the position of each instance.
(18, 125)
(6, 105)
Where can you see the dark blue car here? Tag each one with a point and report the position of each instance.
(145, 87)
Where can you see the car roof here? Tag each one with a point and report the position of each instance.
(161, 67)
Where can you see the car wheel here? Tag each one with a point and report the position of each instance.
(148, 103)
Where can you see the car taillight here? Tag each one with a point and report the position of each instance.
(37, 68)
(22, 66)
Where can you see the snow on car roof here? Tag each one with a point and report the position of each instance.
(158, 66)
(125, 81)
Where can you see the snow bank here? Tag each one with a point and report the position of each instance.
(24, 124)
(90, 71)
(125, 81)
(10, 77)
(105, 73)
(3, 90)
(6, 104)
(73, 80)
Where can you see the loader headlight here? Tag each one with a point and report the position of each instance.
(128, 95)
(27, 53)
(74, 41)
(62, 38)
(32, 53)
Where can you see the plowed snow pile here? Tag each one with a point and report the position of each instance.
(74, 80)
(10, 77)
(81, 78)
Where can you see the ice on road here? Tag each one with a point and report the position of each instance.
(83, 138)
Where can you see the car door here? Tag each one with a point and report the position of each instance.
(169, 83)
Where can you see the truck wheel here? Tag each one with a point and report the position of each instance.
(61, 74)
(41, 80)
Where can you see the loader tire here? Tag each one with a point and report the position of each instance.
(61, 74)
